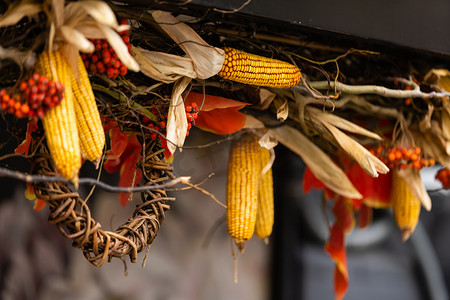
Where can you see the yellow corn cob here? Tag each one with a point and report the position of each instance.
(406, 207)
(89, 124)
(264, 214)
(59, 122)
(242, 194)
(258, 70)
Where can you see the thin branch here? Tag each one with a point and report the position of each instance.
(233, 10)
(375, 89)
(92, 181)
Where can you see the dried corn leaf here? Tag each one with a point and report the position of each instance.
(267, 141)
(76, 38)
(176, 119)
(265, 99)
(431, 147)
(412, 178)
(98, 10)
(163, 67)
(368, 162)
(434, 75)
(58, 11)
(207, 59)
(341, 123)
(252, 122)
(17, 10)
(281, 104)
(425, 123)
(320, 164)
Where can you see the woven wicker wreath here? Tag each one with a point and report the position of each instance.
(72, 216)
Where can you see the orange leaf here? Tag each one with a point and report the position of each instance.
(119, 142)
(24, 147)
(375, 190)
(365, 216)
(39, 204)
(123, 155)
(218, 114)
(221, 121)
(212, 102)
(336, 249)
(30, 195)
(340, 284)
(311, 181)
(128, 168)
(345, 217)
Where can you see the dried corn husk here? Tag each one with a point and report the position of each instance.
(320, 164)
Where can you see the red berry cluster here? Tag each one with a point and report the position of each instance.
(443, 175)
(41, 94)
(191, 115)
(104, 59)
(402, 157)
(37, 95)
(156, 127)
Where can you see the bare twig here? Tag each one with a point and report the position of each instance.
(109, 188)
(233, 10)
(376, 90)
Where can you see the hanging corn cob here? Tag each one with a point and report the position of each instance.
(265, 212)
(59, 122)
(242, 195)
(405, 206)
(258, 70)
(89, 124)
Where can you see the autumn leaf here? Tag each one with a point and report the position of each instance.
(335, 247)
(376, 191)
(218, 114)
(30, 195)
(365, 216)
(124, 154)
(129, 174)
(24, 147)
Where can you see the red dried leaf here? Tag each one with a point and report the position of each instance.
(340, 284)
(24, 147)
(365, 216)
(376, 191)
(108, 124)
(218, 114)
(119, 142)
(335, 247)
(345, 217)
(30, 195)
(221, 121)
(123, 155)
(128, 169)
(39, 204)
(210, 102)
(311, 181)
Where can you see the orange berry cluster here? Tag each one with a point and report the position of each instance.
(191, 115)
(104, 59)
(402, 157)
(443, 175)
(156, 127)
(13, 106)
(37, 95)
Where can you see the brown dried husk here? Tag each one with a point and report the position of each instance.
(73, 217)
